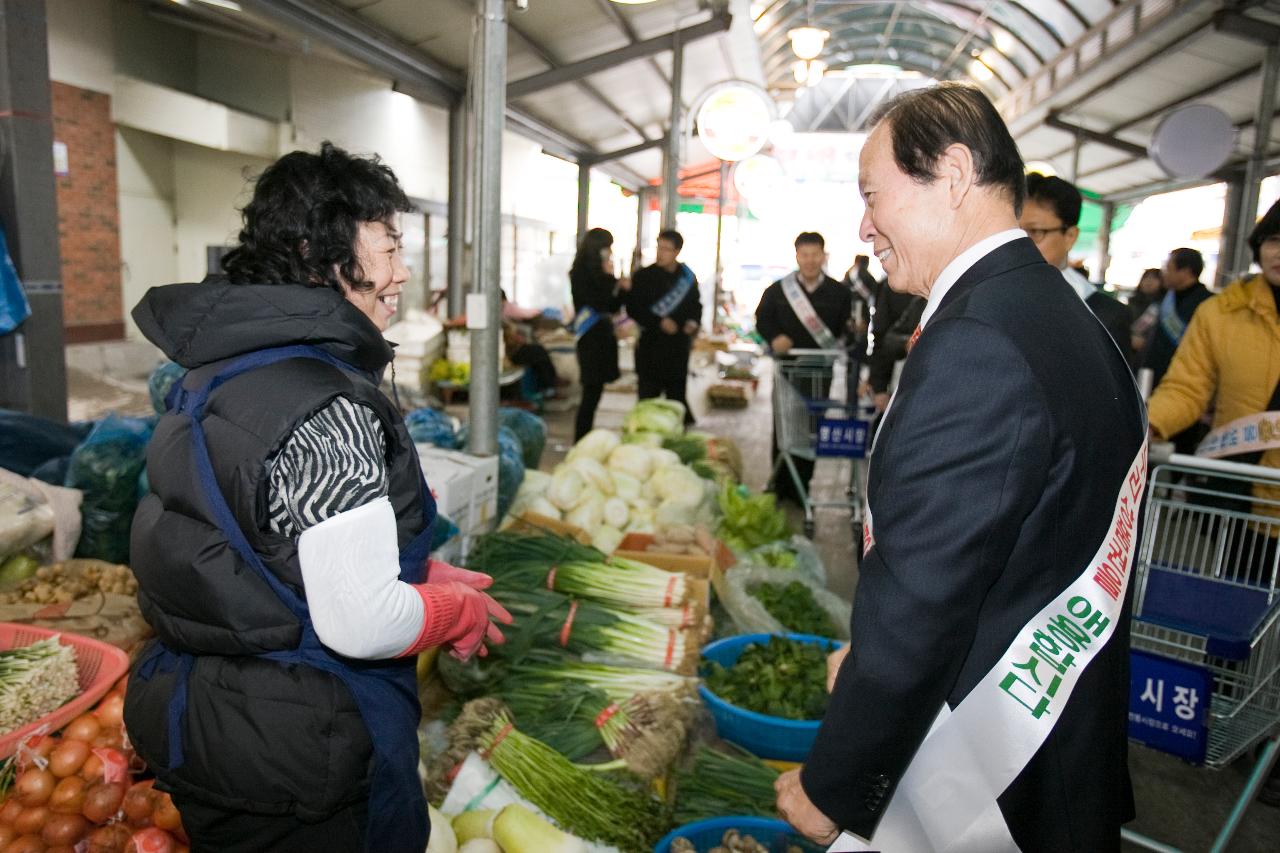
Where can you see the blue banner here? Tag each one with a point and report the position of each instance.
(842, 437)
(1168, 705)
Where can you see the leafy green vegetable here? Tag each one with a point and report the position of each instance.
(690, 447)
(655, 415)
(783, 678)
(794, 606)
(750, 520)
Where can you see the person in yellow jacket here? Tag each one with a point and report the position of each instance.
(1231, 355)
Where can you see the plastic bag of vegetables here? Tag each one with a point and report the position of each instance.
(529, 428)
(161, 381)
(796, 553)
(431, 426)
(106, 468)
(779, 601)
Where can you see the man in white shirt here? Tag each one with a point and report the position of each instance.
(981, 705)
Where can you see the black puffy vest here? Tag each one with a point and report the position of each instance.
(258, 735)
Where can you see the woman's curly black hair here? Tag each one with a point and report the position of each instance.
(301, 225)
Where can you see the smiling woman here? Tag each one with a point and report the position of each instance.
(281, 554)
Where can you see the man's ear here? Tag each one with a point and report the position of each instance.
(956, 167)
(1072, 234)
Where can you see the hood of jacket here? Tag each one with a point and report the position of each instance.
(197, 324)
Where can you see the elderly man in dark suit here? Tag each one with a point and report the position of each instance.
(981, 705)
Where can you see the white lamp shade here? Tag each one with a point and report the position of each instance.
(807, 42)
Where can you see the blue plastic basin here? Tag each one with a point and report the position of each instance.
(706, 834)
(760, 734)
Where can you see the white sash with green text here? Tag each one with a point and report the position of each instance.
(947, 799)
(805, 313)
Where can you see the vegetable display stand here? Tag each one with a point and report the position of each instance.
(776, 835)
(761, 734)
(98, 664)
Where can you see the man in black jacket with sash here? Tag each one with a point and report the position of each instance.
(664, 302)
(981, 705)
(807, 309)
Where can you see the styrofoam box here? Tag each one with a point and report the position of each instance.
(452, 484)
(481, 480)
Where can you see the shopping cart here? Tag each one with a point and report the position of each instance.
(1205, 640)
(812, 419)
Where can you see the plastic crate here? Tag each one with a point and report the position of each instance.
(760, 734)
(99, 666)
(774, 834)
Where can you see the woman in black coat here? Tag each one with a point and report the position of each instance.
(596, 296)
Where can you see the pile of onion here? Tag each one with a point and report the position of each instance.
(75, 792)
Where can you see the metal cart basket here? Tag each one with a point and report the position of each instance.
(812, 419)
(1205, 614)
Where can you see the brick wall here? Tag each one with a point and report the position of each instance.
(88, 216)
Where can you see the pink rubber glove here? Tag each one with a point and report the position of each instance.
(458, 616)
(441, 572)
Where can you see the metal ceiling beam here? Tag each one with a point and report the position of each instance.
(576, 71)
(610, 11)
(1245, 27)
(862, 25)
(1097, 136)
(331, 24)
(1202, 92)
(618, 154)
(928, 46)
(595, 94)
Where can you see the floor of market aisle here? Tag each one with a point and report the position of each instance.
(1178, 804)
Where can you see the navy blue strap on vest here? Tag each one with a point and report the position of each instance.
(384, 691)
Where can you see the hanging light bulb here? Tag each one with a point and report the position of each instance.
(816, 69)
(807, 42)
(800, 69)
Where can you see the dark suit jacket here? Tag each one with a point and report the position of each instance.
(1115, 318)
(993, 483)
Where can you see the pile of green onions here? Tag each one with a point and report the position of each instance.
(643, 732)
(720, 783)
(590, 805)
(548, 619)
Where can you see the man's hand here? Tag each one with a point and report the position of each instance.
(781, 344)
(882, 401)
(691, 327)
(833, 665)
(669, 326)
(798, 810)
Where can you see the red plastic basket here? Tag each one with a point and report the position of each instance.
(100, 665)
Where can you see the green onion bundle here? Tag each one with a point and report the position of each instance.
(617, 682)
(576, 719)
(720, 784)
(492, 551)
(587, 804)
(623, 583)
(35, 680)
(585, 627)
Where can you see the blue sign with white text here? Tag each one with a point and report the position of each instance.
(1168, 705)
(842, 437)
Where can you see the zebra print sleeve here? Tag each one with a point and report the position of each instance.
(333, 462)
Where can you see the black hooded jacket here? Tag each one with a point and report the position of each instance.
(258, 735)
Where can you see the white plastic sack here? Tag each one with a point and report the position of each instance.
(807, 562)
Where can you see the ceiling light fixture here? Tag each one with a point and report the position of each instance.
(807, 42)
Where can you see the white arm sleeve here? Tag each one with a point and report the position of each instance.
(350, 569)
